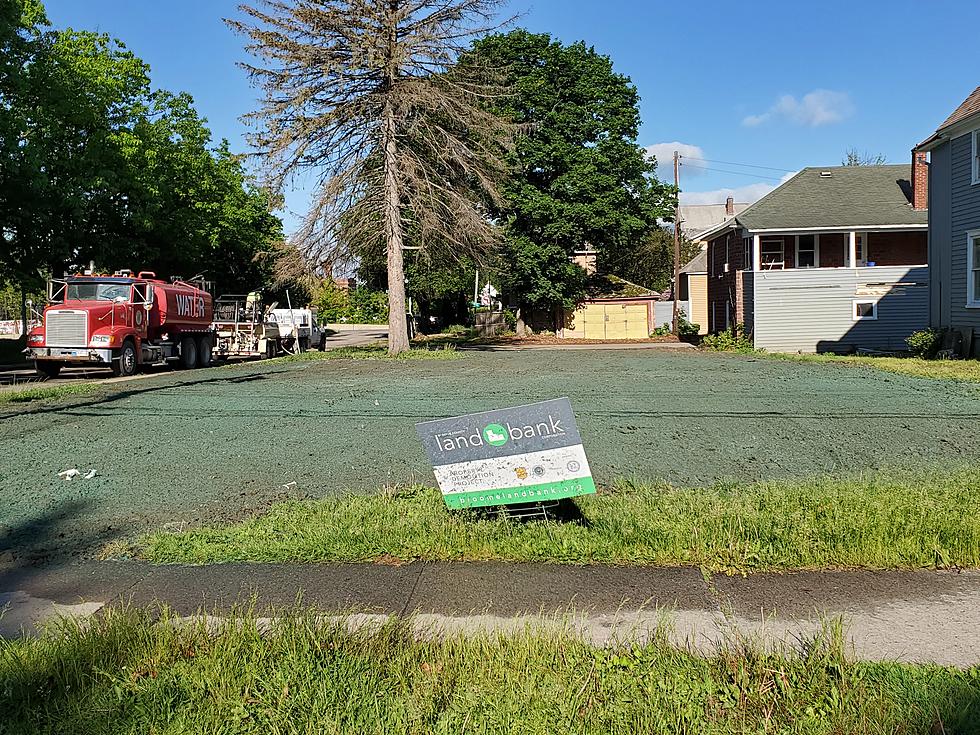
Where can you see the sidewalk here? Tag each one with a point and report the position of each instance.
(921, 616)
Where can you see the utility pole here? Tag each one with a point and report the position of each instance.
(677, 241)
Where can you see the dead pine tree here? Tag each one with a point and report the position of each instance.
(368, 95)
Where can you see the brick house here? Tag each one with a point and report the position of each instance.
(833, 259)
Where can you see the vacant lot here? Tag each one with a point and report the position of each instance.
(214, 445)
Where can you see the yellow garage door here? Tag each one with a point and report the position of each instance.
(593, 321)
(626, 321)
(614, 321)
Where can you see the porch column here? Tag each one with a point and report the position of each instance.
(757, 252)
(853, 244)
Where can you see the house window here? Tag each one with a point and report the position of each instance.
(861, 249)
(746, 253)
(865, 310)
(807, 251)
(975, 136)
(772, 254)
(973, 268)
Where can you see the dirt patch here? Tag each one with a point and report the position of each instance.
(212, 445)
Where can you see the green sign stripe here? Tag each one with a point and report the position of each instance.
(525, 494)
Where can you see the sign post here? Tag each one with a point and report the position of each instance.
(525, 454)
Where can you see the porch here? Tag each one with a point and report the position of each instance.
(835, 248)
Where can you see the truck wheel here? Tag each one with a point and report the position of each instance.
(304, 344)
(47, 368)
(126, 364)
(188, 353)
(204, 352)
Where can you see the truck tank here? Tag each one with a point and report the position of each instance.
(179, 307)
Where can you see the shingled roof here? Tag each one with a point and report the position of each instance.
(836, 197)
(970, 107)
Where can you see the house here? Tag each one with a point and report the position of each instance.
(693, 290)
(954, 221)
(614, 308)
(699, 218)
(834, 259)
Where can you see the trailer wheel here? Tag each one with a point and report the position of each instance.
(126, 364)
(47, 368)
(204, 352)
(188, 353)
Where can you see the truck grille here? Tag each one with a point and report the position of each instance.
(66, 329)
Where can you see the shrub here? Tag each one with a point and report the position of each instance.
(925, 343)
(733, 339)
(685, 329)
(458, 330)
(359, 306)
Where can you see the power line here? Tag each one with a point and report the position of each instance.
(726, 171)
(744, 165)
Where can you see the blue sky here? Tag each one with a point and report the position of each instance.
(771, 83)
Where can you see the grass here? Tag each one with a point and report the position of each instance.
(927, 521)
(962, 370)
(126, 672)
(45, 393)
(375, 352)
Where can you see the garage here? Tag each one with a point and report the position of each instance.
(615, 309)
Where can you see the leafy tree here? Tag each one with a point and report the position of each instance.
(651, 262)
(365, 93)
(853, 157)
(578, 176)
(97, 166)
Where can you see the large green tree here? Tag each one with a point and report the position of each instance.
(579, 178)
(98, 166)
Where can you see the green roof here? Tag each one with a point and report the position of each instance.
(606, 286)
(838, 196)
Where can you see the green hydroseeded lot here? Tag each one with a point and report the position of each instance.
(125, 672)
(926, 521)
(178, 450)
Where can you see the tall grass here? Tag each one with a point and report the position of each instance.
(916, 367)
(45, 393)
(375, 352)
(925, 521)
(127, 673)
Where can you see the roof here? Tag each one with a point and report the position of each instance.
(607, 286)
(696, 218)
(969, 108)
(697, 264)
(837, 197)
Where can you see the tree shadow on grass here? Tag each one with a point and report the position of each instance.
(563, 511)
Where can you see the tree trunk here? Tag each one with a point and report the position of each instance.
(397, 322)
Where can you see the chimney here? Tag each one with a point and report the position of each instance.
(730, 207)
(920, 180)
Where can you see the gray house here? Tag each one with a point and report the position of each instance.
(954, 221)
(834, 259)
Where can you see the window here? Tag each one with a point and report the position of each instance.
(772, 254)
(865, 310)
(807, 251)
(746, 253)
(975, 136)
(973, 269)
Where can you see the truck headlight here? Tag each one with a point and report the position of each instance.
(101, 339)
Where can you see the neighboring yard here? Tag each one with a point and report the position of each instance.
(220, 445)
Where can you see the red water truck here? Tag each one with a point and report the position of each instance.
(122, 321)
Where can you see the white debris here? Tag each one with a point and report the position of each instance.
(289, 485)
(90, 474)
(69, 474)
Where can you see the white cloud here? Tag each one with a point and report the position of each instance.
(749, 193)
(664, 153)
(819, 107)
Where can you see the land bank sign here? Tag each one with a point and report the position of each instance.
(524, 454)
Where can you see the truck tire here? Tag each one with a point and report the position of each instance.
(47, 368)
(188, 353)
(304, 344)
(204, 352)
(127, 363)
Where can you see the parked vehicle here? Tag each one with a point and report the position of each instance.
(299, 327)
(243, 328)
(122, 321)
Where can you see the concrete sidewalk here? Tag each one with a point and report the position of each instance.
(920, 616)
